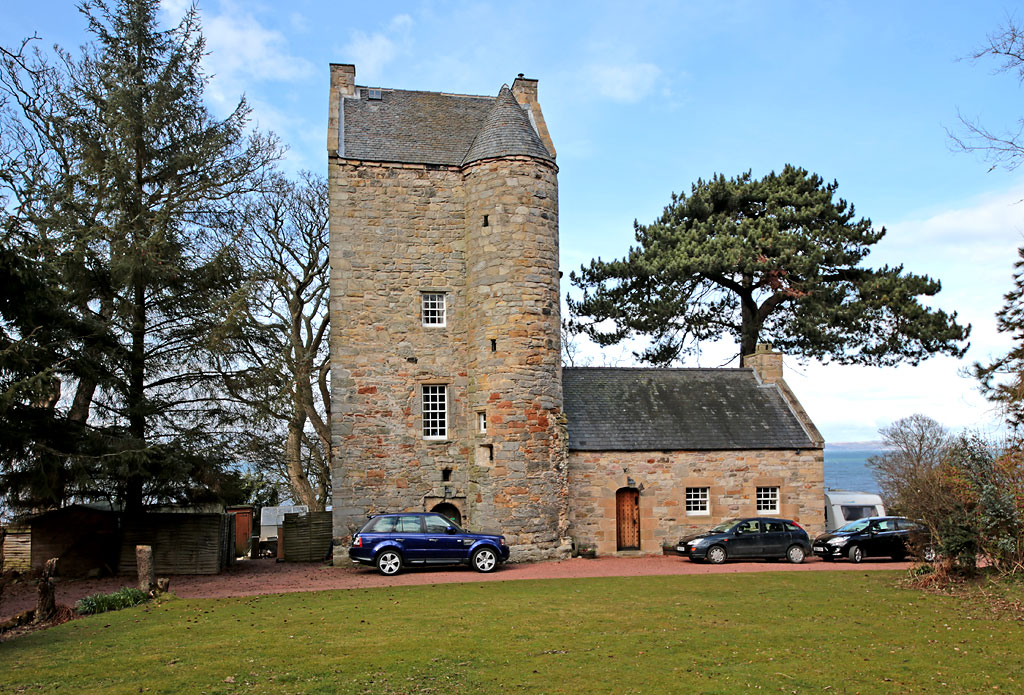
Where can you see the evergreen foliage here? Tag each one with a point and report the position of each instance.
(109, 163)
(777, 259)
(1002, 380)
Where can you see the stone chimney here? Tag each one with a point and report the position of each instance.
(525, 92)
(766, 362)
(343, 84)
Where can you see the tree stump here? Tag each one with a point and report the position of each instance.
(46, 604)
(144, 561)
(163, 585)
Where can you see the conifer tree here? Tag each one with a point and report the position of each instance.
(776, 259)
(132, 162)
(1002, 380)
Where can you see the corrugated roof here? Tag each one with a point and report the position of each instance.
(614, 409)
(434, 128)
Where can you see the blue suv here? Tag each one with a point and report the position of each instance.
(390, 541)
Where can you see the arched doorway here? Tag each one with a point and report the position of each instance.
(627, 518)
(449, 511)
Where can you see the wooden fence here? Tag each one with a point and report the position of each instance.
(307, 537)
(182, 543)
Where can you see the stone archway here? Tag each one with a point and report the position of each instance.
(449, 511)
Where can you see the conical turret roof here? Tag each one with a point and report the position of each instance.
(505, 132)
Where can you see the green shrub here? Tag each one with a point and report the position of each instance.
(125, 597)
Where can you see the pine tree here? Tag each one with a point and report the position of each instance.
(133, 161)
(776, 259)
(1002, 381)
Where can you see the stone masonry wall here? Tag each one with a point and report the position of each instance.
(732, 476)
(517, 481)
(396, 231)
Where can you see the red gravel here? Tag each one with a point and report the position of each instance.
(251, 577)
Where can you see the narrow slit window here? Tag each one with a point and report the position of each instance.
(481, 419)
(487, 221)
(435, 411)
(494, 345)
(446, 475)
(434, 309)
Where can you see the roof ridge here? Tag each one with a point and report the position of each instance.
(426, 91)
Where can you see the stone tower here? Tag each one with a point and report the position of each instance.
(445, 343)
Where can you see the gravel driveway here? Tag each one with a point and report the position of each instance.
(250, 577)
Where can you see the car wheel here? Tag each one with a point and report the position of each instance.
(716, 555)
(389, 563)
(929, 554)
(855, 554)
(484, 560)
(795, 554)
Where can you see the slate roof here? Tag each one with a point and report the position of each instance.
(506, 131)
(435, 128)
(614, 409)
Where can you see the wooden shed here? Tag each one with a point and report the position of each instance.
(83, 538)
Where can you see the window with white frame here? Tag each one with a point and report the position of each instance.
(697, 501)
(435, 411)
(481, 419)
(768, 500)
(433, 308)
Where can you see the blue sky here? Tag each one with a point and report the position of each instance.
(643, 101)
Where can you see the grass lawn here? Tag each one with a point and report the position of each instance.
(792, 632)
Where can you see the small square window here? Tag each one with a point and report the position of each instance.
(768, 500)
(433, 307)
(481, 419)
(697, 501)
(435, 411)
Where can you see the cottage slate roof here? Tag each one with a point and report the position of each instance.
(414, 127)
(615, 409)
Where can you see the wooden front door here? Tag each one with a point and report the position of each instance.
(627, 518)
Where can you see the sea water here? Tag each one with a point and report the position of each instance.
(847, 469)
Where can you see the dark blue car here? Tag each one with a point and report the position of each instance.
(391, 541)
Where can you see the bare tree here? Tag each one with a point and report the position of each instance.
(278, 371)
(1003, 148)
(917, 446)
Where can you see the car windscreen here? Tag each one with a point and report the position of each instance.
(725, 526)
(854, 526)
(852, 512)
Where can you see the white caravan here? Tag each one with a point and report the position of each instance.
(844, 506)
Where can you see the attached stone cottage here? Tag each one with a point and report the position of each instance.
(447, 385)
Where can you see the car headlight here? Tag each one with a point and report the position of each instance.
(697, 541)
(840, 540)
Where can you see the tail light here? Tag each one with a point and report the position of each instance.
(357, 542)
(798, 526)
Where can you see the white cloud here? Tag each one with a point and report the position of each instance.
(243, 49)
(625, 82)
(372, 52)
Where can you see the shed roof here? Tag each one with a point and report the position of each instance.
(616, 409)
(415, 127)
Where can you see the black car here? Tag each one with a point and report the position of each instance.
(390, 541)
(876, 536)
(757, 537)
